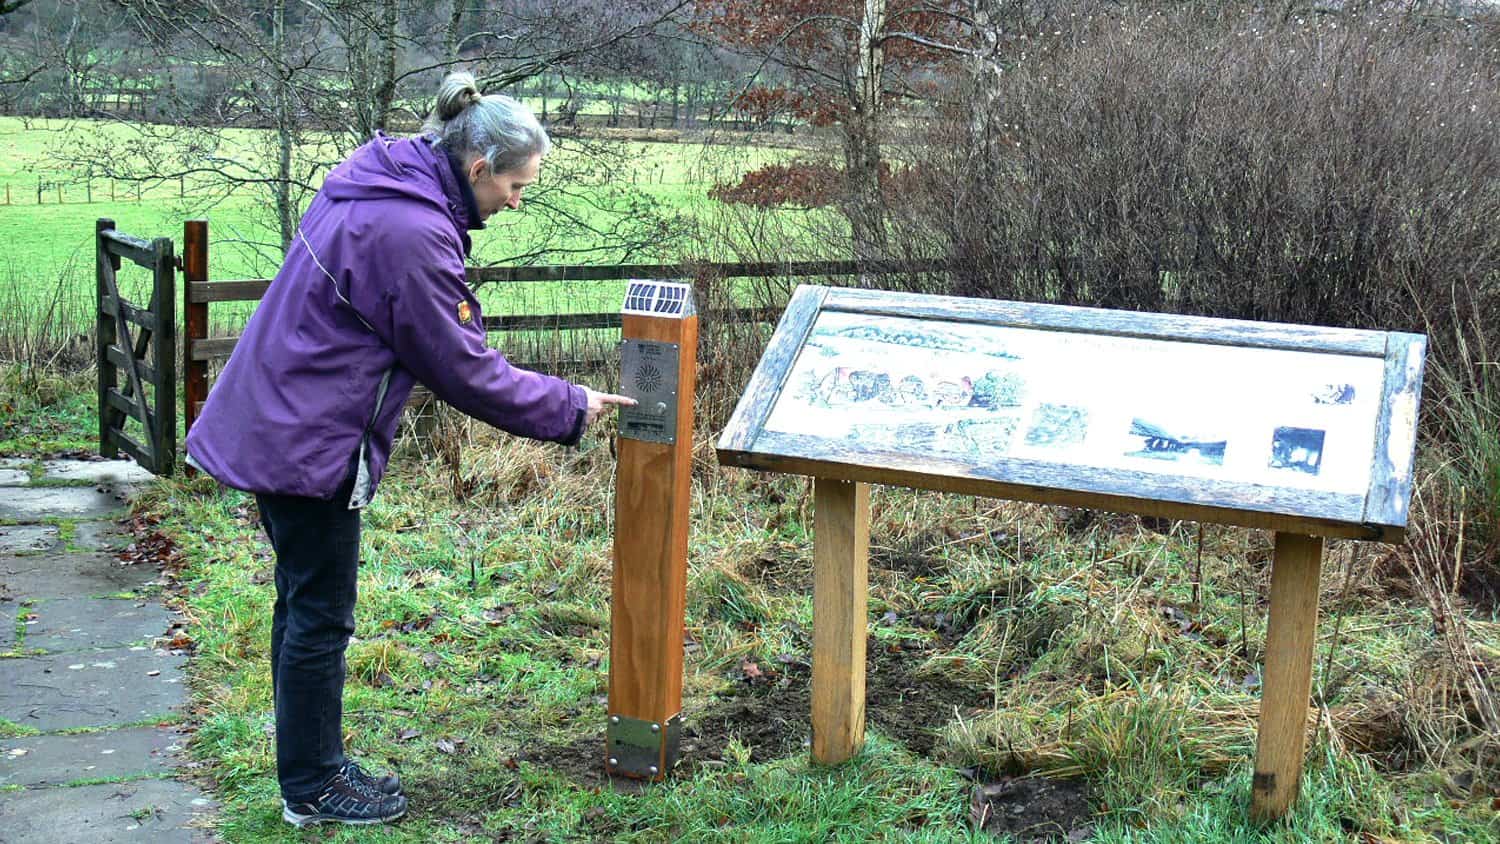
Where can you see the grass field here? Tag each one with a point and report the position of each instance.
(47, 246)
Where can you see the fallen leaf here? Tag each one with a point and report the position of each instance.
(751, 671)
(446, 746)
(408, 734)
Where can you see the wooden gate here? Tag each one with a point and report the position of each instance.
(141, 343)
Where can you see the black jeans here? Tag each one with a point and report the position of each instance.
(317, 560)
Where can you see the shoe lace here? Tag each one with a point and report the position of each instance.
(360, 782)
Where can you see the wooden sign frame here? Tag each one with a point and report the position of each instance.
(1377, 514)
(1302, 516)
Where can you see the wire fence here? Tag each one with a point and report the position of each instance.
(54, 191)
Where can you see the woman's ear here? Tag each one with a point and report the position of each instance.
(477, 168)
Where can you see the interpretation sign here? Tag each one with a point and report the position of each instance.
(1306, 431)
(1313, 425)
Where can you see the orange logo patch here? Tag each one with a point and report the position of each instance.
(465, 315)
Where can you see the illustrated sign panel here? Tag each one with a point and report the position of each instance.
(1312, 423)
(974, 392)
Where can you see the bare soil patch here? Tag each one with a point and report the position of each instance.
(771, 716)
(1033, 809)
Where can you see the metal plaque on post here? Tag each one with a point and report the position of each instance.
(648, 374)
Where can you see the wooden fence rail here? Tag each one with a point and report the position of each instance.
(199, 350)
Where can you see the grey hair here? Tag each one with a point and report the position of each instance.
(494, 126)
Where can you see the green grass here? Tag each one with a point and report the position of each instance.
(42, 412)
(10, 729)
(488, 696)
(46, 249)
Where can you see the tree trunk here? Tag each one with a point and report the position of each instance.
(385, 78)
(451, 36)
(862, 139)
(286, 218)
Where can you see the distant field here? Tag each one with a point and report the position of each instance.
(46, 246)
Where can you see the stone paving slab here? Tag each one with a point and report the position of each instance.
(16, 539)
(61, 575)
(71, 624)
(158, 811)
(32, 504)
(100, 536)
(91, 688)
(15, 462)
(57, 760)
(7, 625)
(96, 471)
(14, 477)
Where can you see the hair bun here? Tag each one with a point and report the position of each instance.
(458, 92)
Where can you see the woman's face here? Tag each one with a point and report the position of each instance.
(493, 191)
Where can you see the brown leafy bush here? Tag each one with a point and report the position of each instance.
(798, 184)
(807, 185)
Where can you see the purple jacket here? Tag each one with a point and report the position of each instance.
(372, 298)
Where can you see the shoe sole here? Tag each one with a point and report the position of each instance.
(301, 821)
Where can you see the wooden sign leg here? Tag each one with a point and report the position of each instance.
(1286, 681)
(841, 546)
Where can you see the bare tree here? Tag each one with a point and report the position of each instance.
(20, 76)
(325, 75)
(844, 63)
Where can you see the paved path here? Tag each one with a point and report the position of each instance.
(88, 701)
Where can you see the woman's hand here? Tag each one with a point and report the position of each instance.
(599, 402)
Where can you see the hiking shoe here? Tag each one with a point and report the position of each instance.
(345, 799)
(389, 784)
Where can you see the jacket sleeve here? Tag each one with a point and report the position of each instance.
(421, 317)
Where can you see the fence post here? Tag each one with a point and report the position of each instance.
(59, 193)
(164, 349)
(194, 319)
(104, 337)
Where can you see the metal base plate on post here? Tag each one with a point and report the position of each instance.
(648, 374)
(642, 749)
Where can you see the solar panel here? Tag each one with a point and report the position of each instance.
(658, 298)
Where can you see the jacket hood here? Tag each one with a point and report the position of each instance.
(409, 168)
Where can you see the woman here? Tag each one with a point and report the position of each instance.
(371, 299)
